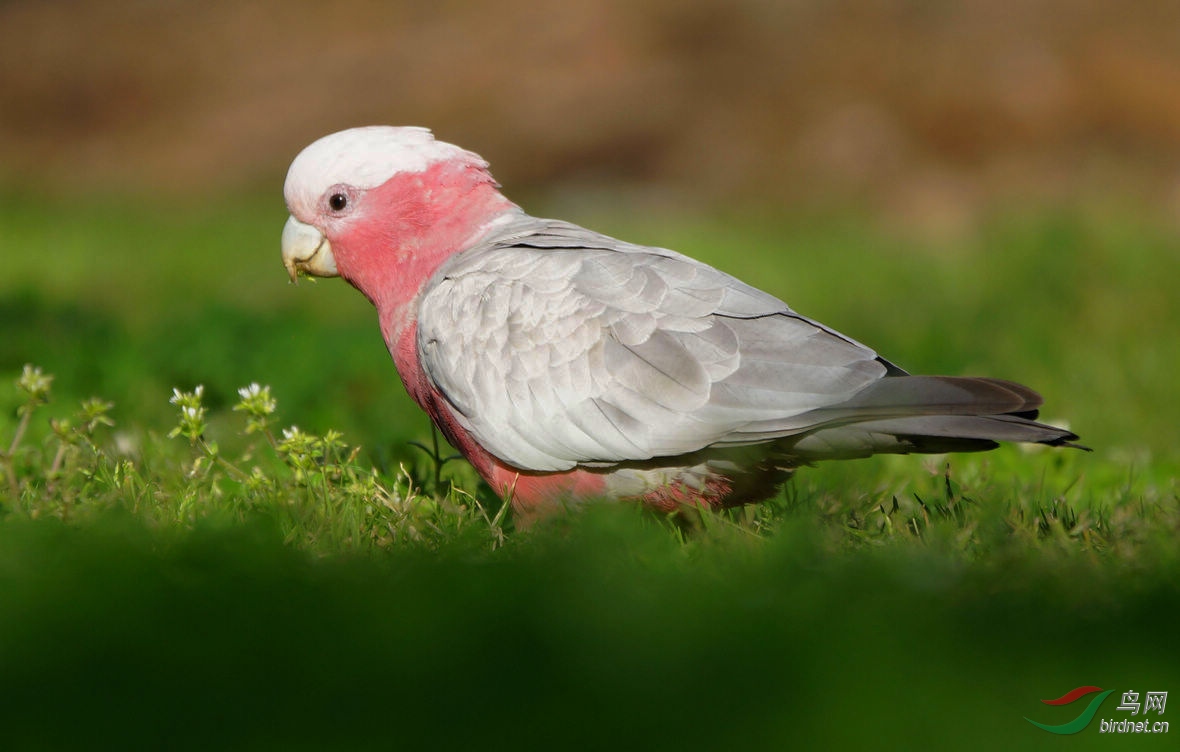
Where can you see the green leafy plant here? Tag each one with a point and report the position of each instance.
(315, 486)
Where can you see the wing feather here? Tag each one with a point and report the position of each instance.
(556, 346)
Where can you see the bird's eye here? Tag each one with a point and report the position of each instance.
(338, 201)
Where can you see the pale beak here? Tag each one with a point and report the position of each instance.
(306, 250)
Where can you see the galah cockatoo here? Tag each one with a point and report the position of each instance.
(566, 365)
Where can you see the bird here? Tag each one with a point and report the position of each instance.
(567, 366)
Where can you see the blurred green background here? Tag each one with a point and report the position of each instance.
(987, 188)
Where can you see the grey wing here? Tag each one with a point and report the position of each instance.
(555, 346)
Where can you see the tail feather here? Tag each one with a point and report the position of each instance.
(941, 395)
(927, 414)
(991, 427)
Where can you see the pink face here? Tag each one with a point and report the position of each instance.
(383, 207)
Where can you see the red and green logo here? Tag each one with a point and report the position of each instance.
(1083, 719)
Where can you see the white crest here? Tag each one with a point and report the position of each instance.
(365, 158)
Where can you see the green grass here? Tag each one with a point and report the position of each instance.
(242, 584)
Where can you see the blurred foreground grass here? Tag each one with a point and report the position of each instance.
(611, 635)
(153, 595)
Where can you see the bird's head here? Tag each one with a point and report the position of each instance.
(382, 206)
